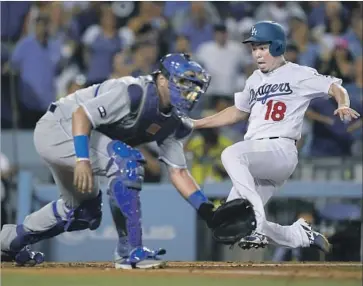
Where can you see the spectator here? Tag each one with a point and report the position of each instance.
(206, 150)
(198, 29)
(335, 27)
(330, 135)
(321, 12)
(292, 52)
(355, 90)
(85, 19)
(182, 45)
(6, 95)
(224, 59)
(13, 16)
(36, 57)
(183, 17)
(145, 57)
(354, 36)
(102, 43)
(299, 33)
(316, 13)
(148, 25)
(280, 12)
(125, 10)
(338, 63)
(77, 26)
(139, 60)
(76, 84)
(6, 172)
(172, 7)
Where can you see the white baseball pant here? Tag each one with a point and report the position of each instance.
(258, 168)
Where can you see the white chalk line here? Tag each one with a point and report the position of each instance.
(236, 265)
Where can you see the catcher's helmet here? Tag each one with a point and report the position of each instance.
(269, 32)
(187, 80)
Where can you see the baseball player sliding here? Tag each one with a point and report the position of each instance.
(274, 101)
(92, 132)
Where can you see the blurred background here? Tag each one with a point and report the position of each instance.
(52, 49)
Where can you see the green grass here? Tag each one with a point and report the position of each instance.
(13, 279)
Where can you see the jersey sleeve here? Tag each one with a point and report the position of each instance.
(172, 153)
(108, 106)
(242, 100)
(315, 84)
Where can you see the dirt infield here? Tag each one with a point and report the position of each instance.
(232, 269)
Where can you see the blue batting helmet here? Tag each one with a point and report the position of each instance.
(269, 32)
(187, 80)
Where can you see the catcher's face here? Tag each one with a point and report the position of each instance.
(261, 54)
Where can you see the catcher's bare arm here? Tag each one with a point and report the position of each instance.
(183, 181)
(189, 189)
(229, 223)
(81, 127)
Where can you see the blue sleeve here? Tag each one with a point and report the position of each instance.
(18, 54)
(317, 104)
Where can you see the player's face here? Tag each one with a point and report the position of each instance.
(262, 56)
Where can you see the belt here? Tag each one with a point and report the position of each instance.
(52, 107)
(277, 138)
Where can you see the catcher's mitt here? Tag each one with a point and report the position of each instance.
(233, 220)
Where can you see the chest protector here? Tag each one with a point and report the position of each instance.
(145, 123)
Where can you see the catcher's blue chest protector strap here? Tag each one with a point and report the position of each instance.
(125, 185)
(145, 123)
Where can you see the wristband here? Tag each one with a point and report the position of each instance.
(197, 199)
(82, 159)
(81, 146)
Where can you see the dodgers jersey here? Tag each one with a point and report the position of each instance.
(277, 100)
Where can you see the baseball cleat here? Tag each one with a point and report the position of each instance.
(25, 257)
(254, 240)
(140, 257)
(316, 239)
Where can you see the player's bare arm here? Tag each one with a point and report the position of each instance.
(81, 127)
(189, 189)
(341, 96)
(226, 117)
(183, 181)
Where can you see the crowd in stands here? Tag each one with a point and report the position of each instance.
(52, 49)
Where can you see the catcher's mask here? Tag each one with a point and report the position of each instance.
(187, 80)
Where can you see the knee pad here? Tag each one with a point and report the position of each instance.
(129, 161)
(87, 215)
(128, 200)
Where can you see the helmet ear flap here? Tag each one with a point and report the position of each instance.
(277, 48)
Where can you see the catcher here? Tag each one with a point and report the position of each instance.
(92, 132)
